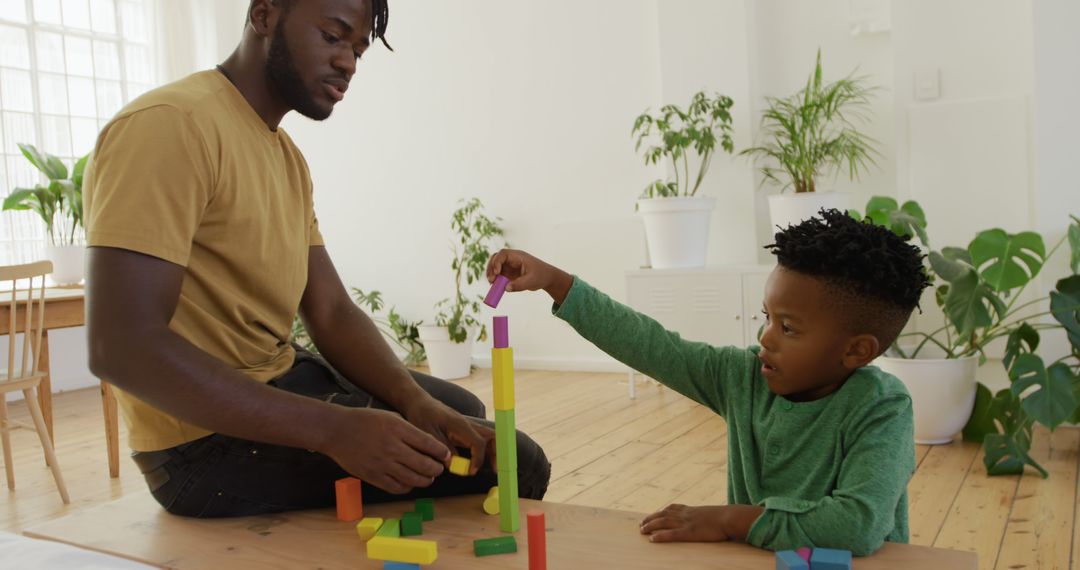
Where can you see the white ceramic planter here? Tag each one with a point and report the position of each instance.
(790, 209)
(942, 393)
(67, 263)
(677, 230)
(447, 359)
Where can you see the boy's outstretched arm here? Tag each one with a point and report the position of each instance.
(695, 369)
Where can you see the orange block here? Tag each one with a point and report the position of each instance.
(537, 541)
(350, 505)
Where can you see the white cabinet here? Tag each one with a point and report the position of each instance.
(717, 305)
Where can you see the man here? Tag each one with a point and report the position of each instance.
(204, 244)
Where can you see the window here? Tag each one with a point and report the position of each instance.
(66, 67)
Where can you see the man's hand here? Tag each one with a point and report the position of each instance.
(385, 450)
(527, 273)
(680, 523)
(452, 429)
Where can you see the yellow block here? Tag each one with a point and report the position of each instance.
(409, 550)
(459, 465)
(368, 526)
(491, 502)
(502, 377)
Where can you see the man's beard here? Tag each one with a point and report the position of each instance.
(285, 79)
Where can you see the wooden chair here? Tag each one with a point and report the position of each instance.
(29, 377)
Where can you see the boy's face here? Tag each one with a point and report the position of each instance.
(806, 352)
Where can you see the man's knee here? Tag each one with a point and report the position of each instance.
(534, 469)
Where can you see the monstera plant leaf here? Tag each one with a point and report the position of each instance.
(1053, 401)
(1065, 306)
(1006, 452)
(981, 423)
(1007, 261)
(906, 220)
(1023, 338)
(966, 304)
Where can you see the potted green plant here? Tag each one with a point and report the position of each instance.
(810, 135)
(979, 291)
(676, 218)
(59, 204)
(448, 342)
(403, 333)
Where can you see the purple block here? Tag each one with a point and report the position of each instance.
(498, 287)
(804, 553)
(502, 332)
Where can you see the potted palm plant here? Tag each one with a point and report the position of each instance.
(448, 342)
(59, 204)
(810, 135)
(401, 332)
(676, 218)
(980, 292)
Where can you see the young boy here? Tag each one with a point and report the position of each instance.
(820, 445)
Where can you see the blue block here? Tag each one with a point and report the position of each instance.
(789, 560)
(830, 559)
(400, 566)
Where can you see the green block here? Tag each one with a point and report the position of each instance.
(505, 440)
(497, 545)
(509, 517)
(426, 507)
(390, 528)
(412, 524)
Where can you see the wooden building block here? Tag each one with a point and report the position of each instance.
(426, 507)
(409, 550)
(502, 377)
(459, 465)
(537, 540)
(789, 560)
(804, 553)
(391, 528)
(400, 566)
(830, 559)
(412, 524)
(509, 516)
(368, 526)
(497, 545)
(491, 502)
(505, 440)
(350, 504)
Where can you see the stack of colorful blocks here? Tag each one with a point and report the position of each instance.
(816, 559)
(385, 542)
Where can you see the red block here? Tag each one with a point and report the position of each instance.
(350, 504)
(537, 541)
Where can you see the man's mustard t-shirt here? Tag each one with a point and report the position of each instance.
(191, 174)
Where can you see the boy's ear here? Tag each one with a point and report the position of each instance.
(861, 350)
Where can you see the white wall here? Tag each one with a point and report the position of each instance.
(527, 106)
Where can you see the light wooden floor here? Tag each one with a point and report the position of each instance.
(641, 455)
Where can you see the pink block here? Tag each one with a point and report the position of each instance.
(502, 332)
(804, 553)
(498, 287)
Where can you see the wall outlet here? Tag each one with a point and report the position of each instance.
(928, 84)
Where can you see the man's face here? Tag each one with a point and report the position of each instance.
(804, 340)
(313, 53)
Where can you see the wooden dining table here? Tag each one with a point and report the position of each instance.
(65, 307)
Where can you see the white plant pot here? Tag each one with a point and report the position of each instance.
(447, 359)
(67, 263)
(942, 393)
(790, 209)
(677, 230)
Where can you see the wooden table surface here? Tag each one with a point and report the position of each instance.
(135, 527)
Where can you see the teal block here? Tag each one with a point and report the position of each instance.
(830, 559)
(497, 545)
(789, 560)
(412, 524)
(505, 440)
(509, 515)
(426, 507)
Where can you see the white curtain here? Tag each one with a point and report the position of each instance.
(197, 34)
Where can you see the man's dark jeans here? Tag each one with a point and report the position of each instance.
(222, 476)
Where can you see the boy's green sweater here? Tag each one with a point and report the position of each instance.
(831, 473)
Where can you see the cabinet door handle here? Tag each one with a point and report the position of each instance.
(753, 318)
(738, 317)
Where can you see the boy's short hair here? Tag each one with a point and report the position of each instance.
(874, 277)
